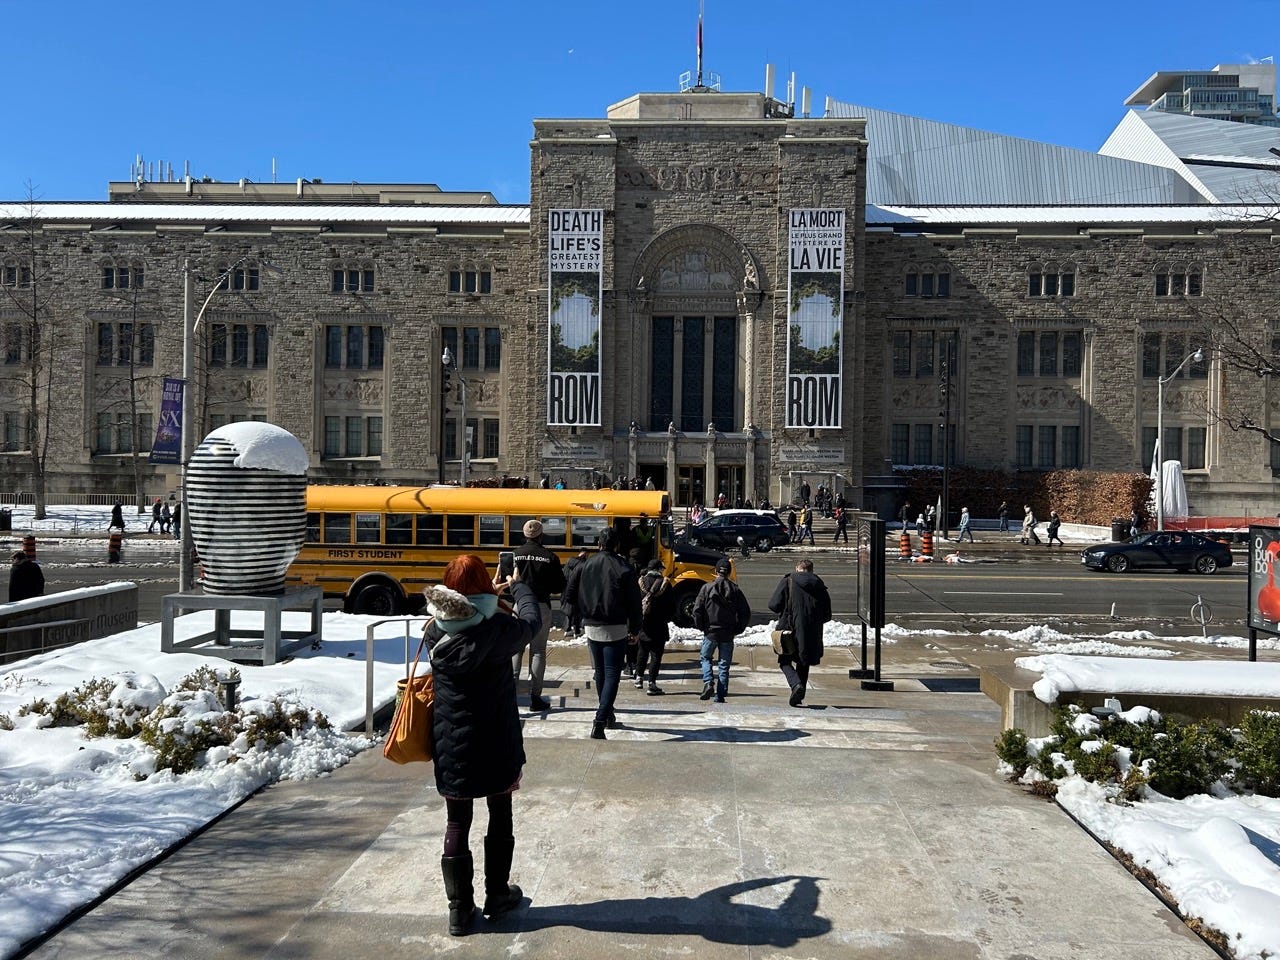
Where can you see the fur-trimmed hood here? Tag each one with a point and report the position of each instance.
(455, 611)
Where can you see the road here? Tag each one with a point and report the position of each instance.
(1003, 593)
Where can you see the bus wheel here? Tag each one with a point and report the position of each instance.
(377, 599)
(685, 599)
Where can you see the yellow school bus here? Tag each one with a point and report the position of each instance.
(377, 547)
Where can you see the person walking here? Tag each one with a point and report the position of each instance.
(26, 579)
(573, 620)
(1004, 516)
(806, 525)
(657, 610)
(803, 605)
(793, 526)
(964, 526)
(176, 517)
(721, 612)
(117, 516)
(905, 515)
(165, 518)
(842, 525)
(1135, 524)
(605, 590)
(1052, 529)
(477, 743)
(155, 517)
(541, 570)
(1029, 522)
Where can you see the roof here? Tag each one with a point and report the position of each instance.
(916, 161)
(205, 212)
(1075, 215)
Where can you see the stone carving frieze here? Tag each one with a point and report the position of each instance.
(1046, 398)
(1187, 397)
(354, 389)
(696, 270)
(239, 389)
(671, 177)
(914, 396)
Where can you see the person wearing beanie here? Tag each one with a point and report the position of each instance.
(657, 610)
(721, 612)
(605, 591)
(541, 570)
(477, 742)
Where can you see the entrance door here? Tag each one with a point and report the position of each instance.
(691, 483)
(730, 481)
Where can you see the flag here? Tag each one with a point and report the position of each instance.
(168, 445)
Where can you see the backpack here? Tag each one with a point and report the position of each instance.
(654, 587)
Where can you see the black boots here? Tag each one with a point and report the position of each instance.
(597, 730)
(458, 872)
(499, 895)
(707, 690)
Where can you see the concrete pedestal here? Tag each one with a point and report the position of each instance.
(265, 648)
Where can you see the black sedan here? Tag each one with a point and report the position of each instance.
(760, 529)
(1160, 549)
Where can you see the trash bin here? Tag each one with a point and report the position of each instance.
(1119, 529)
(6, 518)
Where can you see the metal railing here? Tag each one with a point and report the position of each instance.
(369, 640)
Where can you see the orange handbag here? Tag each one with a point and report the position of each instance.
(409, 739)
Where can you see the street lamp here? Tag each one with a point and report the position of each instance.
(186, 580)
(450, 363)
(1198, 356)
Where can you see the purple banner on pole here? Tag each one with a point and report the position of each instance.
(168, 445)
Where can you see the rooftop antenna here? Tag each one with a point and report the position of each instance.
(700, 10)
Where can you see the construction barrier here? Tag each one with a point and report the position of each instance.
(29, 546)
(904, 546)
(114, 544)
(926, 542)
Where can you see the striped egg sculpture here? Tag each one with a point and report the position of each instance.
(246, 490)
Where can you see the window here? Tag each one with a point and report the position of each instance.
(1070, 448)
(1186, 444)
(122, 276)
(14, 335)
(354, 435)
(922, 451)
(1047, 454)
(126, 344)
(471, 347)
(927, 281)
(451, 438)
(1049, 353)
(354, 347)
(242, 278)
(114, 432)
(1051, 280)
(1162, 353)
(332, 437)
(924, 353)
(15, 434)
(352, 278)
(1179, 280)
(14, 274)
(492, 348)
(248, 344)
(1023, 434)
(900, 443)
(470, 278)
(490, 439)
(902, 357)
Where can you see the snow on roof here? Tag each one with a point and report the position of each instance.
(1081, 215)
(264, 446)
(266, 213)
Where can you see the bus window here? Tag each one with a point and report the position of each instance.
(399, 529)
(313, 528)
(492, 531)
(368, 528)
(515, 529)
(337, 528)
(461, 531)
(586, 530)
(430, 530)
(554, 530)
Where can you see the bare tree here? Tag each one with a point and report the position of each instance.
(33, 343)
(134, 351)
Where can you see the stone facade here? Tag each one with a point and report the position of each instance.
(696, 189)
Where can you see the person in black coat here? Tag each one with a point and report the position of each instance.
(803, 605)
(117, 516)
(541, 570)
(26, 579)
(606, 593)
(721, 612)
(657, 610)
(476, 737)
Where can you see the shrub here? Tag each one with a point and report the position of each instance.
(1011, 748)
(1189, 758)
(1099, 765)
(1257, 753)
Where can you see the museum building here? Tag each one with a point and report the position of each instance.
(706, 289)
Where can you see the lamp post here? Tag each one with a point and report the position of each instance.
(1198, 356)
(948, 364)
(190, 322)
(450, 363)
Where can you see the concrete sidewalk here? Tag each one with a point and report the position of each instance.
(861, 825)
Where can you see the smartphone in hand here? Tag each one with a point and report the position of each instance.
(506, 565)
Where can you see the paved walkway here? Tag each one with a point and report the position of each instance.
(863, 825)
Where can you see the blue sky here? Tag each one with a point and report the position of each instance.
(445, 92)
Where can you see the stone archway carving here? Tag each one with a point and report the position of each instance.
(696, 258)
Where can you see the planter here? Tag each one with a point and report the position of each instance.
(245, 500)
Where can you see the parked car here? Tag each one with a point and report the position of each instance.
(1178, 549)
(762, 530)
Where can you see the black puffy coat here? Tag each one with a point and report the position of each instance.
(655, 623)
(810, 604)
(479, 747)
(605, 591)
(26, 580)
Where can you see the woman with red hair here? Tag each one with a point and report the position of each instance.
(479, 748)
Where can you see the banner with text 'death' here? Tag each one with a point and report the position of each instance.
(815, 317)
(575, 252)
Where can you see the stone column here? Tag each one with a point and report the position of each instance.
(709, 463)
(633, 449)
(748, 372)
(750, 481)
(672, 437)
